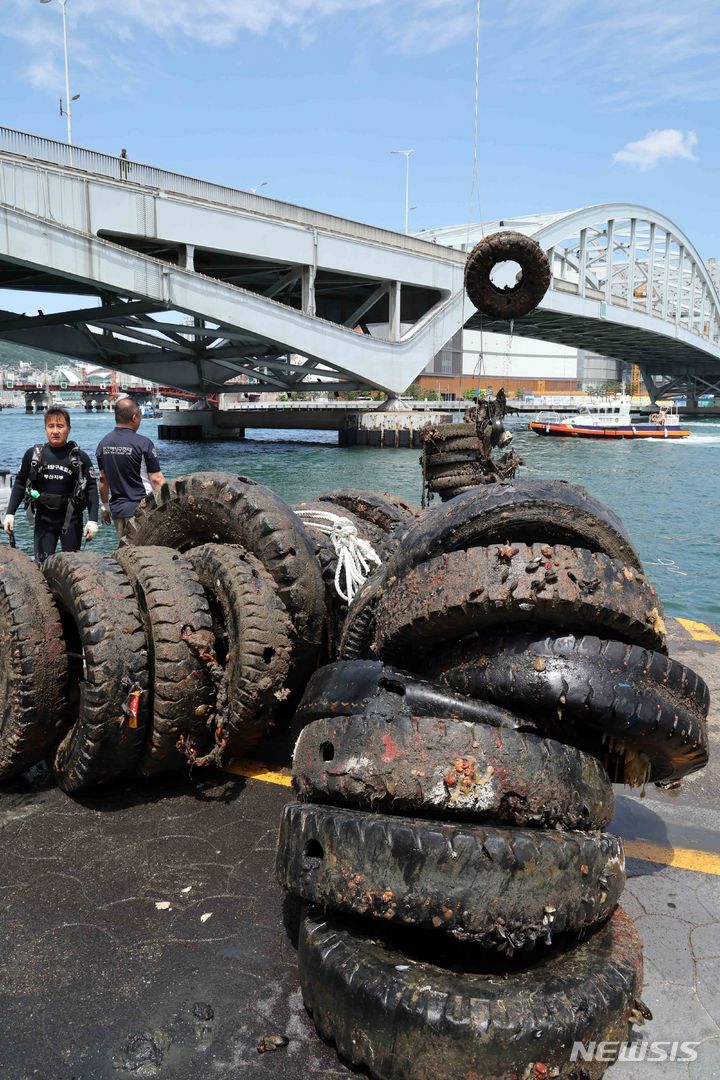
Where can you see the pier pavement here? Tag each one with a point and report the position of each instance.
(144, 935)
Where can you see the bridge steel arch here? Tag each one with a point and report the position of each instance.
(628, 283)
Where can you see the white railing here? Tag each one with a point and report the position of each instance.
(50, 151)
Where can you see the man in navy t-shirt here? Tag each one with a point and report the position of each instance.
(129, 467)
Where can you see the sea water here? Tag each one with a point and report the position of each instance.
(666, 492)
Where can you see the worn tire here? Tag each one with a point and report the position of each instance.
(215, 507)
(452, 444)
(388, 512)
(406, 1019)
(260, 638)
(430, 767)
(551, 511)
(441, 464)
(33, 665)
(523, 297)
(464, 592)
(642, 713)
(493, 885)
(469, 476)
(171, 599)
(105, 637)
(352, 687)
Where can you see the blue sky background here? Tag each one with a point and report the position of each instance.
(580, 102)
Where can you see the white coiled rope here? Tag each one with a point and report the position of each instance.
(354, 555)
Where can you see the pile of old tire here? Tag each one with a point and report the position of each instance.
(450, 841)
(451, 459)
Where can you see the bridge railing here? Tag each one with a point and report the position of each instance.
(95, 163)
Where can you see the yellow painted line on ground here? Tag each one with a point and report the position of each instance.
(699, 631)
(704, 862)
(255, 770)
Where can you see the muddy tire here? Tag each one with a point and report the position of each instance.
(260, 637)
(429, 767)
(108, 669)
(568, 589)
(440, 464)
(523, 297)
(493, 885)
(466, 477)
(531, 511)
(640, 712)
(171, 602)
(400, 1016)
(387, 512)
(33, 666)
(353, 687)
(216, 507)
(453, 444)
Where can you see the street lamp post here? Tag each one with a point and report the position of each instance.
(68, 99)
(406, 154)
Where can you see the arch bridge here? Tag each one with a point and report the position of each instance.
(193, 284)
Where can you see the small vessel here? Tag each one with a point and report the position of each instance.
(610, 420)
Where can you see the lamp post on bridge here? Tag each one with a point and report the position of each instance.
(406, 154)
(68, 100)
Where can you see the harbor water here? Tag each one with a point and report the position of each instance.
(667, 493)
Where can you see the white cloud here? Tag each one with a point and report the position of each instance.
(657, 146)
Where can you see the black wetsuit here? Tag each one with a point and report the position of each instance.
(56, 480)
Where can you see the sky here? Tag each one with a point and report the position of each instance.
(578, 102)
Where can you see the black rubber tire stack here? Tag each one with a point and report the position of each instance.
(465, 799)
(451, 459)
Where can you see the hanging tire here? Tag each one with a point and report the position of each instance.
(452, 444)
(370, 687)
(108, 684)
(465, 592)
(387, 512)
(400, 1016)
(216, 507)
(418, 765)
(640, 712)
(493, 885)
(33, 666)
(526, 294)
(441, 464)
(172, 604)
(551, 511)
(260, 638)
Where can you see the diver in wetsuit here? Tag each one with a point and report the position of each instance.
(57, 482)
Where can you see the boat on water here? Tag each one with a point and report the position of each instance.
(610, 420)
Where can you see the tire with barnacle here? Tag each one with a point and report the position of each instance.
(547, 511)
(394, 1006)
(487, 884)
(108, 677)
(465, 592)
(175, 613)
(396, 762)
(33, 665)
(216, 507)
(525, 294)
(641, 713)
(257, 651)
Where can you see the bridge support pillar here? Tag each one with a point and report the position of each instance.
(197, 425)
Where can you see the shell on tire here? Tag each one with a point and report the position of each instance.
(495, 885)
(438, 767)
(467, 591)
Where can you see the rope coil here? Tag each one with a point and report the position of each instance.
(355, 556)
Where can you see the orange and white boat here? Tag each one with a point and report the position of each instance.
(610, 420)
